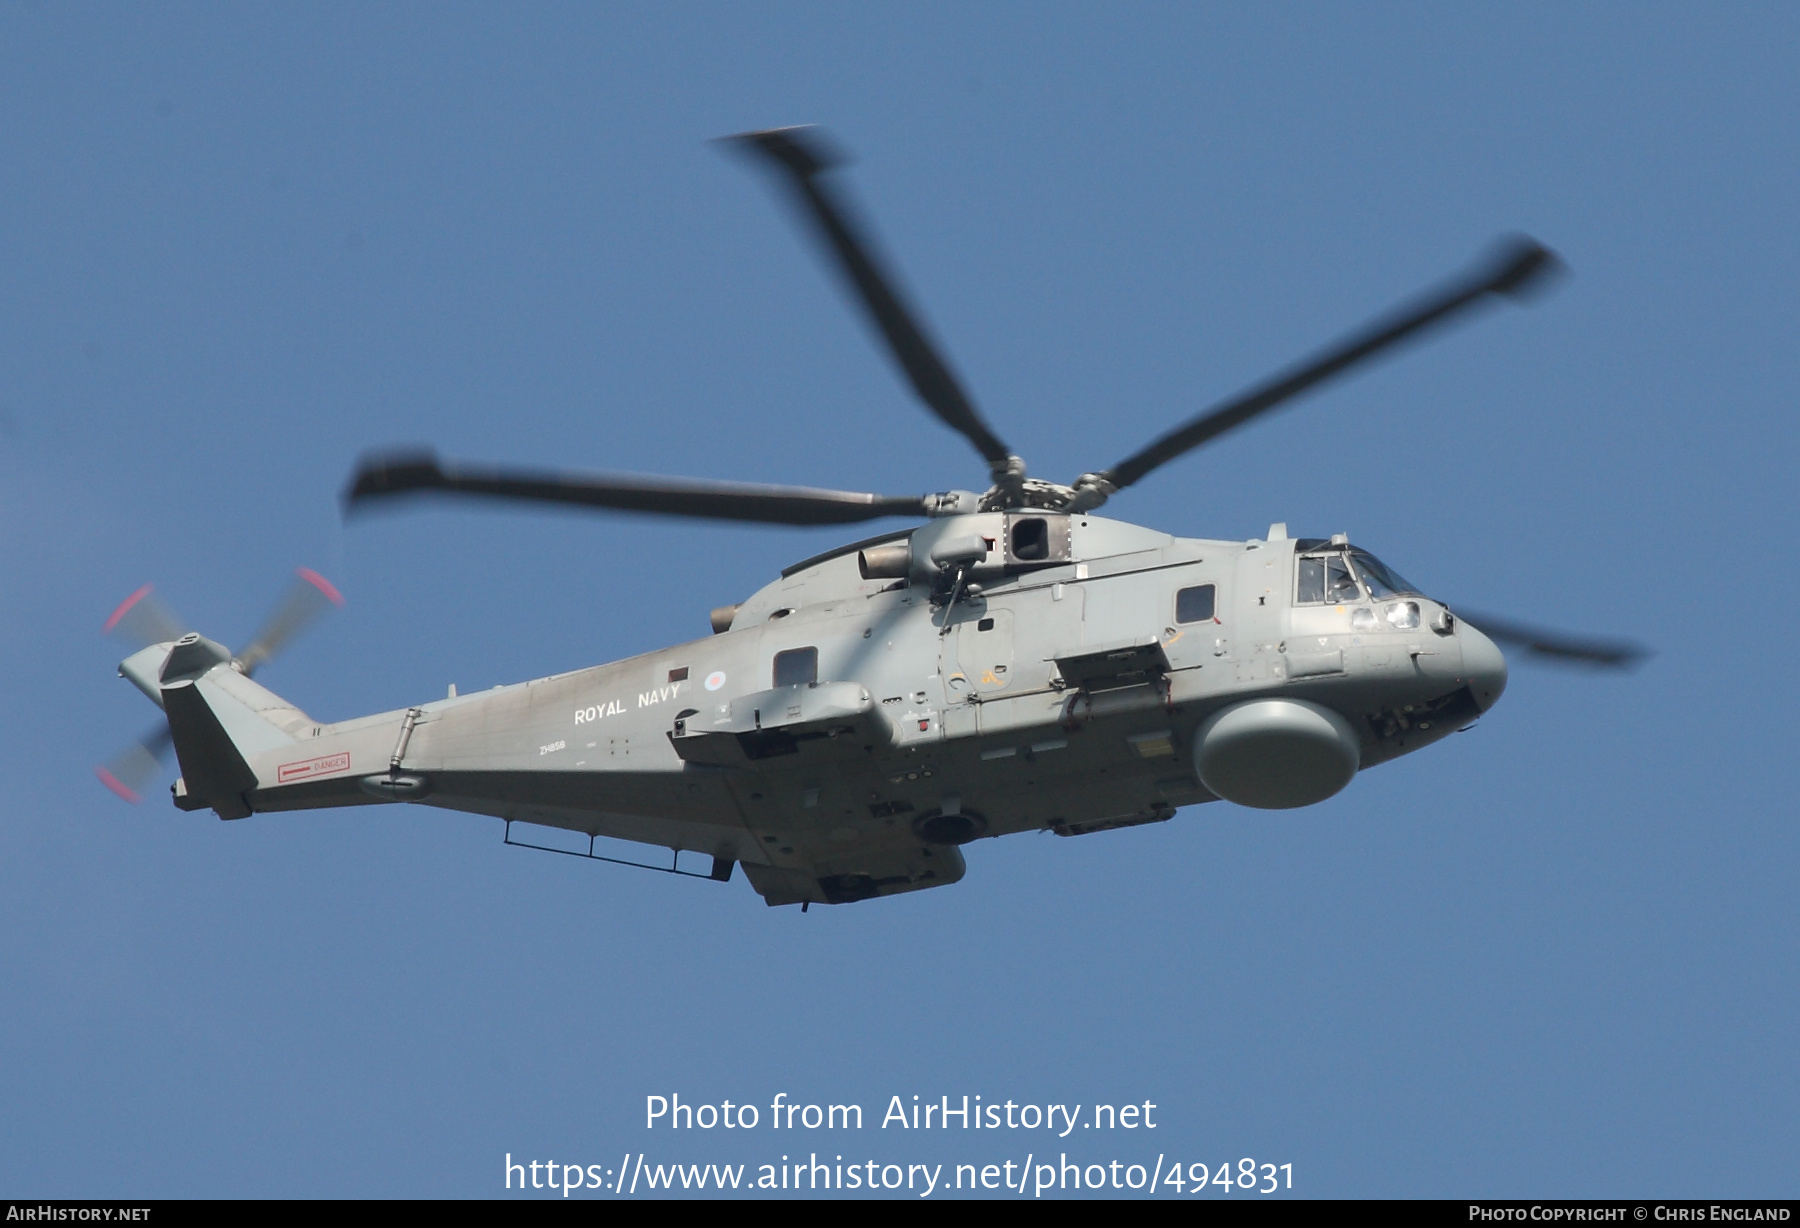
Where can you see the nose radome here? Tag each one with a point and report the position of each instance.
(1483, 665)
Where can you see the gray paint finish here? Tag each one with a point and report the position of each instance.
(919, 708)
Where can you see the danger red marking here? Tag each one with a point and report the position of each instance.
(306, 769)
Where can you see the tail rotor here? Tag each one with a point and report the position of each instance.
(133, 768)
(143, 620)
(310, 596)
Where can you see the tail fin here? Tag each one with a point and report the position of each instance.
(220, 721)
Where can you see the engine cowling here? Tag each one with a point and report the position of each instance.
(1276, 754)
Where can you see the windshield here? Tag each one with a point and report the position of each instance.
(1383, 581)
(1327, 578)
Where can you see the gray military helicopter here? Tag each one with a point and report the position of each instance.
(1016, 662)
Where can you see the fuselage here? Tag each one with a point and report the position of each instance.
(848, 732)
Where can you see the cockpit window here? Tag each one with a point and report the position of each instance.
(1311, 589)
(1340, 585)
(1326, 578)
(1383, 581)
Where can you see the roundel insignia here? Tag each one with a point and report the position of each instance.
(715, 680)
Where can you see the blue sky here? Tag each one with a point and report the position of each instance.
(239, 245)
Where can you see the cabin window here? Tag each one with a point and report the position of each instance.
(796, 666)
(986, 624)
(678, 675)
(1196, 604)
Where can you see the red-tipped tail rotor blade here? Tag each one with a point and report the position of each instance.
(142, 619)
(308, 598)
(130, 771)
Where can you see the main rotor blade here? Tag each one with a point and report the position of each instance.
(801, 153)
(385, 476)
(309, 597)
(1517, 265)
(132, 769)
(1557, 647)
